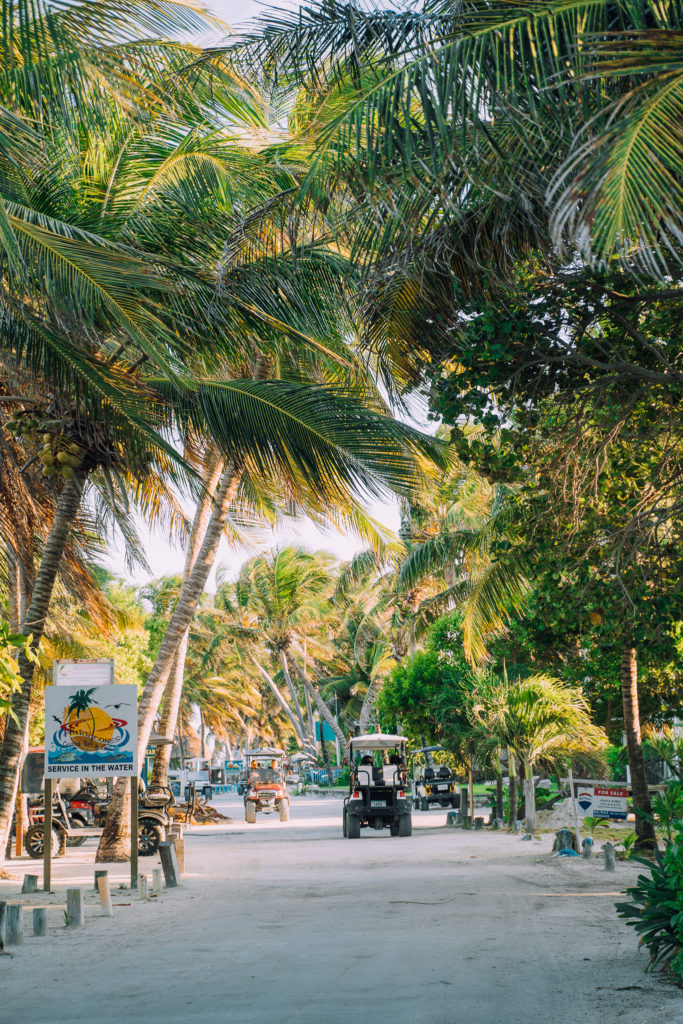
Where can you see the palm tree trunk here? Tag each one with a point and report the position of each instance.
(645, 831)
(202, 734)
(512, 777)
(174, 687)
(470, 785)
(324, 710)
(34, 623)
(368, 705)
(114, 843)
(295, 697)
(272, 686)
(529, 799)
(169, 717)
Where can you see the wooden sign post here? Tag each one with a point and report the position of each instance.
(47, 837)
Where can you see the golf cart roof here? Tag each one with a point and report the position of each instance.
(267, 752)
(428, 750)
(377, 741)
(301, 757)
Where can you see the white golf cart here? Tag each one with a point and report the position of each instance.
(379, 794)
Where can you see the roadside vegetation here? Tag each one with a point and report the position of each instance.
(227, 276)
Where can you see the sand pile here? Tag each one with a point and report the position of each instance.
(560, 815)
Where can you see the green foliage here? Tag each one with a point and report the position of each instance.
(10, 678)
(655, 908)
(428, 693)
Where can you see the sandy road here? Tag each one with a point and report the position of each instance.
(291, 924)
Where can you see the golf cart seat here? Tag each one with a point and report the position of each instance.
(444, 772)
(389, 773)
(429, 773)
(364, 772)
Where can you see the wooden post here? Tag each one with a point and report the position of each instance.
(40, 921)
(169, 863)
(134, 832)
(47, 837)
(3, 912)
(576, 810)
(30, 883)
(105, 895)
(74, 908)
(19, 818)
(98, 875)
(156, 881)
(14, 924)
(179, 845)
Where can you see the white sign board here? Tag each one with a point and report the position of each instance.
(608, 801)
(91, 730)
(83, 672)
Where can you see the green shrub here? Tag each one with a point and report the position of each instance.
(656, 907)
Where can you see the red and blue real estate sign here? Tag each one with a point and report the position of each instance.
(602, 801)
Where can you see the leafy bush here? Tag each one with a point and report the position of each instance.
(656, 907)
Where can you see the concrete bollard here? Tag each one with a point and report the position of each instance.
(142, 887)
(14, 924)
(452, 819)
(30, 883)
(518, 828)
(105, 894)
(587, 848)
(3, 911)
(169, 864)
(608, 854)
(40, 921)
(156, 881)
(75, 908)
(98, 875)
(478, 824)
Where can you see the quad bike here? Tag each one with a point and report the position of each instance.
(379, 796)
(264, 787)
(81, 816)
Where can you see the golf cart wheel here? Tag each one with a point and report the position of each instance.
(35, 840)
(150, 835)
(344, 823)
(284, 810)
(455, 802)
(405, 825)
(250, 812)
(393, 828)
(76, 840)
(444, 803)
(352, 826)
(424, 804)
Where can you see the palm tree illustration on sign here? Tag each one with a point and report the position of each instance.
(89, 726)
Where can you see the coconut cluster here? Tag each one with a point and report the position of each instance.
(59, 454)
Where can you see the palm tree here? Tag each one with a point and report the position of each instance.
(530, 126)
(543, 722)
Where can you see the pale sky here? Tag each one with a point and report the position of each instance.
(165, 558)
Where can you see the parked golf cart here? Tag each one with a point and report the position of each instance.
(76, 818)
(264, 785)
(379, 795)
(433, 783)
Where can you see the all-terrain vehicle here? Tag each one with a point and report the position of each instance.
(433, 783)
(264, 784)
(379, 794)
(73, 821)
